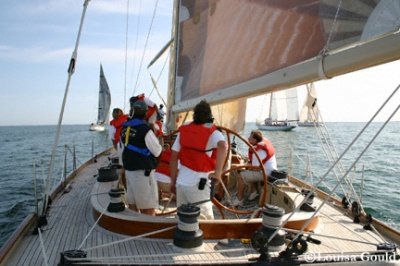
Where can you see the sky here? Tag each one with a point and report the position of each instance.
(37, 38)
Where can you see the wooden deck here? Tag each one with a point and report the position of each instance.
(71, 219)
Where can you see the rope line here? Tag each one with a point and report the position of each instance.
(349, 229)
(351, 167)
(329, 236)
(340, 157)
(91, 229)
(45, 257)
(170, 255)
(132, 238)
(136, 38)
(145, 48)
(126, 50)
(71, 70)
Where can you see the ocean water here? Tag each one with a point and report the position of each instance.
(22, 147)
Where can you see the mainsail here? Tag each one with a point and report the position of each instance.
(233, 49)
(104, 99)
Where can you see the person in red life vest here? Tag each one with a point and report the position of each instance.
(163, 173)
(193, 147)
(266, 152)
(119, 118)
(152, 109)
(141, 147)
(116, 125)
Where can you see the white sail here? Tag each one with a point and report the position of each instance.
(281, 108)
(103, 112)
(104, 99)
(292, 105)
(309, 114)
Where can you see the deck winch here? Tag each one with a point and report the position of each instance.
(107, 174)
(116, 204)
(307, 205)
(272, 217)
(278, 177)
(188, 235)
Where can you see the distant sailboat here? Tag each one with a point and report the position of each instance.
(309, 114)
(104, 104)
(283, 112)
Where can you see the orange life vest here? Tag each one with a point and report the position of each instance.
(193, 140)
(163, 165)
(265, 145)
(118, 123)
(158, 131)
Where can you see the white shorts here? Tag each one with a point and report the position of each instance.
(192, 194)
(141, 190)
(162, 178)
(120, 149)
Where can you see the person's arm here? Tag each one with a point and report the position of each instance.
(152, 143)
(173, 163)
(173, 168)
(222, 149)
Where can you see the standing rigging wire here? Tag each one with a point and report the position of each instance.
(136, 40)
(145, 48)
(126, 50)
(71, 70)
(158, 78)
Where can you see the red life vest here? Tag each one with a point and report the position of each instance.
(150, 109)
(158, 131)
(265, 145)
(163, 166)
(118, 123)
(193, 140)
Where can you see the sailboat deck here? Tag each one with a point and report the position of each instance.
(70, 220)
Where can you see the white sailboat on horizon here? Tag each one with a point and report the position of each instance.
(283, 111)
(104, 104)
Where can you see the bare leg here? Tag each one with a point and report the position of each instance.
(148, 211)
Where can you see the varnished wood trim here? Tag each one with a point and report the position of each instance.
(212, 229)
(225, 229)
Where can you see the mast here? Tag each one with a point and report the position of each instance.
(173, 68)
(270, 106)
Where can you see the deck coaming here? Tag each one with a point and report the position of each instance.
(70, 219)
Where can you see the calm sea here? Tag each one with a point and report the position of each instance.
(22, 147)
